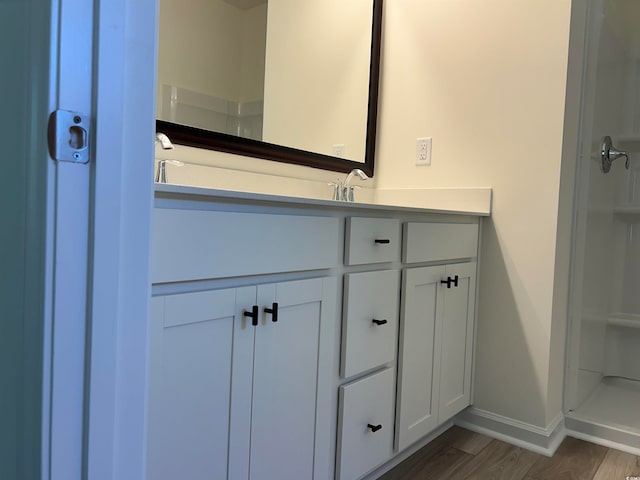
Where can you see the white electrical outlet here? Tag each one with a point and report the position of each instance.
(338, 150)
(423, 151)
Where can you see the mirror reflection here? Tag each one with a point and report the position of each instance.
(293, 73)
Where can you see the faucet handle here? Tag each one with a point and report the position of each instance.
(352, 192)
(337, 187)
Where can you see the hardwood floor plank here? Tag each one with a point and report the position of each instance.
(497, 461)
(415, 463)
(617, 464)
(438, 467)
(443, 465)
(471, 442)
(574, 460)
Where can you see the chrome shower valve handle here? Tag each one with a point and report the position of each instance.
(608, 153)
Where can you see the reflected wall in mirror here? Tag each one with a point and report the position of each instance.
(287, 80)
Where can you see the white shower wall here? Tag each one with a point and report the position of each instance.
(607, 251)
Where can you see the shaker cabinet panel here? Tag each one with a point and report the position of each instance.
(191, 361)
(370, 320)
(365, 426)
(284, 386)
(457, 341)
(418, 355)
(237, 398)
(436, 348)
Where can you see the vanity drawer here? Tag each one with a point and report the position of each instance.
(370, 320)
(372, 240)
(203, 244)
(432, 242)
(364, 404)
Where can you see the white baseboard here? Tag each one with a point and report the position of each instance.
(544, 441)
(601, 434)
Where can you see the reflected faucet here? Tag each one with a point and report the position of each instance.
(164, 141)
(161, 172)
(348, 190)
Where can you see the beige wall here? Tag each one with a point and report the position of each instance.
(487, 81)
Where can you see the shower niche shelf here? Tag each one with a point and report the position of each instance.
(628, 209)
(628, 320)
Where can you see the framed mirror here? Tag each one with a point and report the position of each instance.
(294, 81)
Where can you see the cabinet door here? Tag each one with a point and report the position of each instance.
(288, 415)
(457, 340)
(195, 340)
(417, 385)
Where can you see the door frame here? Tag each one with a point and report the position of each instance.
(98, 231)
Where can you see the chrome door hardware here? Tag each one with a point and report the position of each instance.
(69, 136)
(609, 153)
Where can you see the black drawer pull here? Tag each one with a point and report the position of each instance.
(273, 311)
(379, 322)
(374, 428)
(253, 315)
(382, 240)
(450, 280)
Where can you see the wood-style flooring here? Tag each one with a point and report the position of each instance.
(459, 454)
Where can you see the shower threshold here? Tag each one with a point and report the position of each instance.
(610, 416)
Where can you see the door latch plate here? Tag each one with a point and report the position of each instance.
(69, 136)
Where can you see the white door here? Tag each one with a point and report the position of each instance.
(417, 402)
(457, 340)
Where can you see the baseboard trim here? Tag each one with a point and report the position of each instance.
(406, 453)
(544, 441)
(605, 435)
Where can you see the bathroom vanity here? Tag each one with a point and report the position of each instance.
(303, 339)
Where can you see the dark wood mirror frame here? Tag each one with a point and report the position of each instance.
(196, 137)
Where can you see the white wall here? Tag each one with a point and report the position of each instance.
(487, 81)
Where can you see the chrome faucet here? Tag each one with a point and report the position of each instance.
(161, 172)
(348, 190)
(164, 141)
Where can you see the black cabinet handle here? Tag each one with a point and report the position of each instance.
(379, 322)
(374, 428)
(450, 280)
(382, 240)
(273, 311)
(253, 315)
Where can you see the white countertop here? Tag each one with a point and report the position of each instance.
(462, 201)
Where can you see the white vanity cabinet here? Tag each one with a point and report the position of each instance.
(436, 329)
(303, 340)
(231, 397)
(241, 366)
